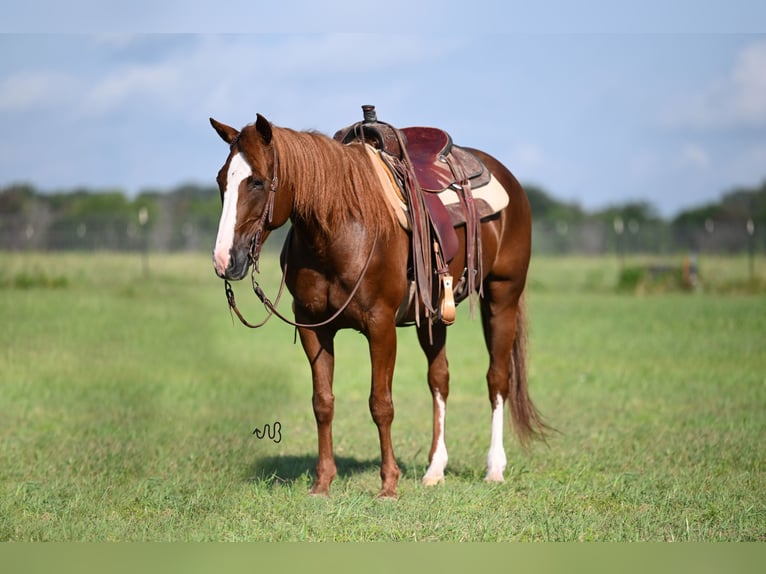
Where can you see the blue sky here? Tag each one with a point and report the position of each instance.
(600, 110)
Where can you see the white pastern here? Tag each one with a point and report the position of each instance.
(496, 460)
(435, 473)
(238, 171)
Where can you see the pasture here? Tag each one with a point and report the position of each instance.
(129, 404)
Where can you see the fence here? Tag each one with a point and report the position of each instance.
(165, 231)
(656, 237)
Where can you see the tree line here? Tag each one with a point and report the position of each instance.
(186, 218)
(733, 224)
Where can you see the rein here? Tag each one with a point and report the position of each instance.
(271, 308)
(254, 255)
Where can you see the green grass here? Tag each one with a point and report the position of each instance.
(129, 402)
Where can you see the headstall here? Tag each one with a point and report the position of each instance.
(254, 255)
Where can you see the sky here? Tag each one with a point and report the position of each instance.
(598, 110)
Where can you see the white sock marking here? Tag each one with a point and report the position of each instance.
(238, 171)
(496, 460)
(435, 471)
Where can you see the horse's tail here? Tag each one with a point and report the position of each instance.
(527, 421)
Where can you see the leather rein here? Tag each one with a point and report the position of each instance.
(254, 256)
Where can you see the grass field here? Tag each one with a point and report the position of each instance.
(129, 404)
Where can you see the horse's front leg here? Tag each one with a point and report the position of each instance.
(382, 341)
(320, 351)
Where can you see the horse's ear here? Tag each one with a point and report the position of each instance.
(227, 133)
(264, 128)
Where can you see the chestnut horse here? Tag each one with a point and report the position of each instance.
(346, 267)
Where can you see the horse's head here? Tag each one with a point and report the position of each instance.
(246, 181)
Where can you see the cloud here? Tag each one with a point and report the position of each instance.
(237, 75)
(77, 95)
(527, 156)
(694, 156)
(30, 90)
(130, 85)
(643, 164)
(746, 166)
(735, 101)
(749, 79)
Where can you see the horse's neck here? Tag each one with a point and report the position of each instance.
(329, 250)
(332, 197)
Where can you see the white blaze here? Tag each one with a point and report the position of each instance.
(238, 170)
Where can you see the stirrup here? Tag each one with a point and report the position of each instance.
(447, 308)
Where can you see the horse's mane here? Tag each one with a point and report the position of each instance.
(333, 184)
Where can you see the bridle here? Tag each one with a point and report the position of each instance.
(254, 255)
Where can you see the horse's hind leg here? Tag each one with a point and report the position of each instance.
(499, 311)
(438, 381)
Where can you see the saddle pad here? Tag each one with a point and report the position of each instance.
(388, 183)
(489, 199)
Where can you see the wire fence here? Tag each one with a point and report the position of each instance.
(164, 232)
(657, 237)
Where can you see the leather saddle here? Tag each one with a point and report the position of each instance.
(428, 156)
(431, 151)
(436, 162)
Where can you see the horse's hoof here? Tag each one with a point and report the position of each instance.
(319, 494)
(432, 480)
(387, 495)
(319, 491)
(494, 476)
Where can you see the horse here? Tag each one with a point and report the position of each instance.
(345, 263)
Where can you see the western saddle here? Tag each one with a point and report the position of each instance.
(425, 162)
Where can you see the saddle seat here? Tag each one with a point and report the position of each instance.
(431, 152)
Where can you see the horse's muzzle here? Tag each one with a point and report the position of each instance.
(230, 267)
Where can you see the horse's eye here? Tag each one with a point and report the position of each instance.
(256, 184)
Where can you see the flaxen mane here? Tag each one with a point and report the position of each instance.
(333, 184)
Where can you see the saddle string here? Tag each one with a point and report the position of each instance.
(421, 235)
(473, 232)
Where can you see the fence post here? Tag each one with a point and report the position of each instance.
(143, 219)
(619, 228)
(750, 226)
